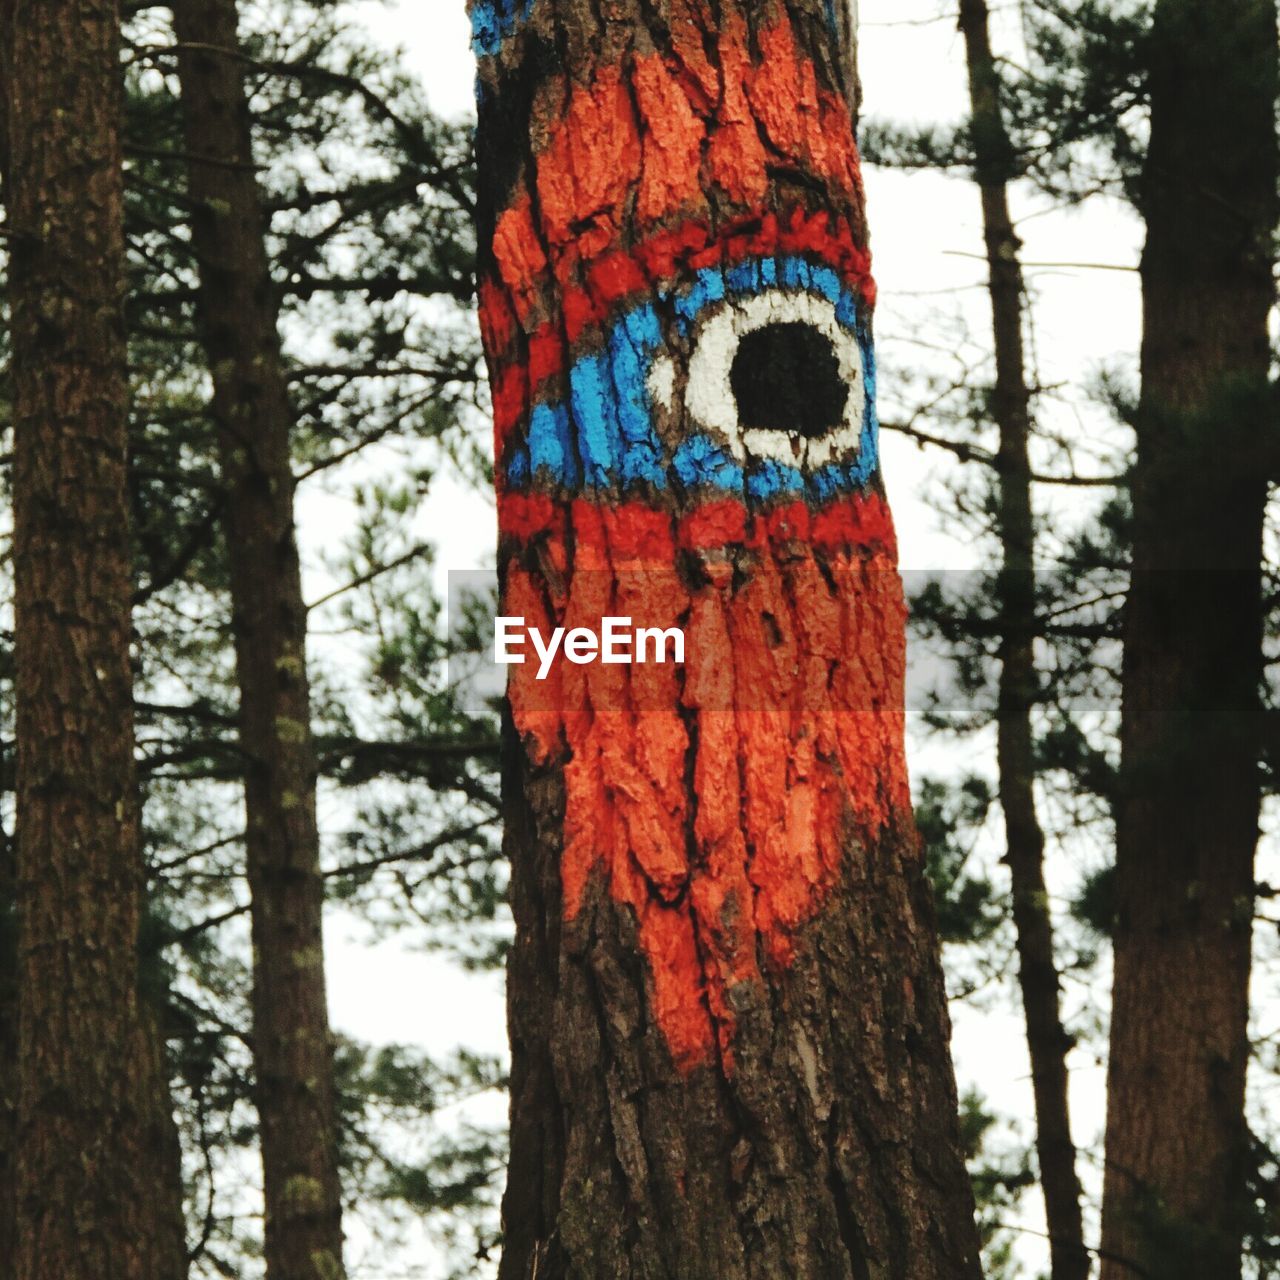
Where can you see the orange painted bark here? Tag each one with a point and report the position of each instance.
(728, 1023)
(788, 712)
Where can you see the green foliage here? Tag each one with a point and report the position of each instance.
(1078, 111)
(1094, 904)
(948, 816)
(1075, 112)
(933, 147)
(390, 1101)
(1001, 1176)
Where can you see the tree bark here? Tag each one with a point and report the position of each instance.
(92, 1196)
(238, 307)
(729, 1029)
(1047, 1040)
(1187, 823)
(8, 1055)
(164, 1148)
(8, 849)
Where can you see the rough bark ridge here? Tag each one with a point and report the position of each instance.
(92, 1199)
(1047, 1040)
(1187, 823)
(293, 1056)
(728, 1023)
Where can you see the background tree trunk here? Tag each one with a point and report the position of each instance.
(164, 1145)
(1047, 1040)
(293, 1053)
(91, 1198)
(8, 848)
(729, 1030)
(1187, 822)
(8, 1055)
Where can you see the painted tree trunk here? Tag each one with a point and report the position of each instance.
(94, 1195)
(729, 1030)
(293, 1056)
(1047, 1040)
(1187, 822)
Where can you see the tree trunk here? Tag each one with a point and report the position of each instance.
(8, 849)
(1187, 822)
(92, 1196)
(8, 1055)
(293, 1054)
(1047, 1040)
(729, 1029)
(164, 1149)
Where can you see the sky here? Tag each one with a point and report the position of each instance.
(926, 240)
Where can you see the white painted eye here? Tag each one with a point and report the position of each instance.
(775, 376)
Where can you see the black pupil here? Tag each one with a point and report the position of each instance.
(786, 377)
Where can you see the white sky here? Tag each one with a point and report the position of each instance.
(925, 231)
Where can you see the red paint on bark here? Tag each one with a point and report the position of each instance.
(716, 800)
(590, 167)
(786, 714)
(642, 147)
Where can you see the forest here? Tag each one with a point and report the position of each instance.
(904, 372)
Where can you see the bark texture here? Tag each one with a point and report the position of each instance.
(8, 850)
(1047, 1040)
(166, 1190)
(1187, 823)
(293, 1054)
(729, 1029)
(8, 1054)
(93, 1196)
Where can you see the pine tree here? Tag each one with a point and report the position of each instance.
(293, 1056)
(370, 256)
(728, 1023)
(1047, 1041)
(93, 1192)
(1187, 820)
(355, 252)
(1099, 72)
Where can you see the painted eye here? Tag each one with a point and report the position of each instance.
(756, 380)
(779, 377)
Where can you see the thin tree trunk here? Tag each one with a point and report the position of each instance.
(1047, 1040)
(729, 1029)
(8, 849)
(164, 1149)
(293, 1054)
(93, 1196)
(8, 1055)
(1187, 823)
